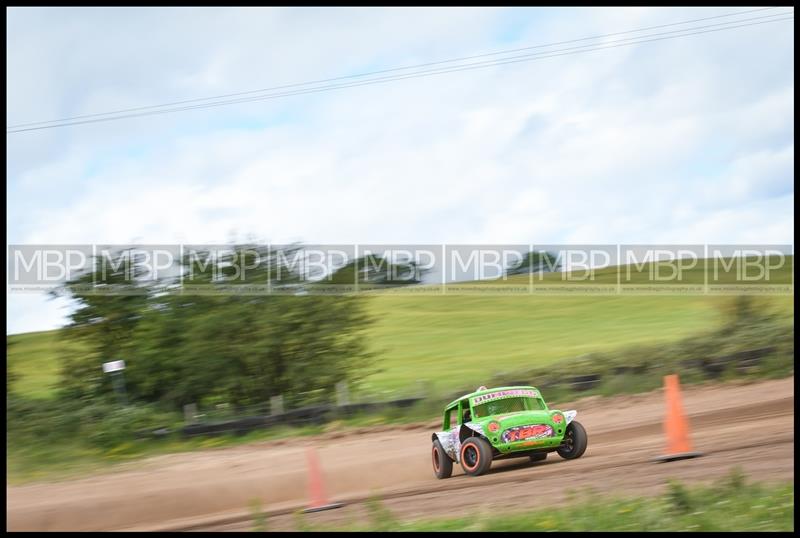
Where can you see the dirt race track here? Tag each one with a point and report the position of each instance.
(751, 426)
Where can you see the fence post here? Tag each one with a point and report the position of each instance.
(276, 405)
(424, 389)
(342, 394)
(189, 413)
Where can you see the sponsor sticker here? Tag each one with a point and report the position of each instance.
(511, 393)
(534, 431)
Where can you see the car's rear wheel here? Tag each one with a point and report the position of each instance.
(476, 456)
(574, 443)
(539, 457)
(442, 464)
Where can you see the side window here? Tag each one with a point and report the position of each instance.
(466, 415)
(450, 418)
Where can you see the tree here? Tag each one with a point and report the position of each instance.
(535, 262)
(111, 299)
(377, 270)
(213, 342)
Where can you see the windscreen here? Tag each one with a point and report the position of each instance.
(508, 405)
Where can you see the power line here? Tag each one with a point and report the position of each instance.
(477, 65)
(684, 32)
(286, 86)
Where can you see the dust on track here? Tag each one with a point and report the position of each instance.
(749, 425)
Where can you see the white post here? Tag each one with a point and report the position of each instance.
(189, 413)
(424, 388)
(276, 405)
(342, 394)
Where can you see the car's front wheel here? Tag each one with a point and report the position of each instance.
(442, 464)
(476, 456)
(574, 443)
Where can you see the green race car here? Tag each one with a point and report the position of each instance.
(499, 423)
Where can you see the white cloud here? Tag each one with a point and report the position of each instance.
(676, 141)
(35, 312)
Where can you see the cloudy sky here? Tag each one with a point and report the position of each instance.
(686, 140)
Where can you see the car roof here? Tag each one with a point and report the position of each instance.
(486, 391)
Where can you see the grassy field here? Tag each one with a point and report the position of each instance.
(34, 357)
(730, 504)
(461, 339)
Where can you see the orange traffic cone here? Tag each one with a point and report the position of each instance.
(315, 488)
(676, 426)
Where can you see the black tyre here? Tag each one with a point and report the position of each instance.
(476, 456)
(575, 441)
(539, 457)
(442, 464)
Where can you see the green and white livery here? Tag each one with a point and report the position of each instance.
(503, 422)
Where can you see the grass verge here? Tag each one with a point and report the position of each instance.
(730, 504)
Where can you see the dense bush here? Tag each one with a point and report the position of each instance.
(116, 425)
(40, 421)
(100, 424)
